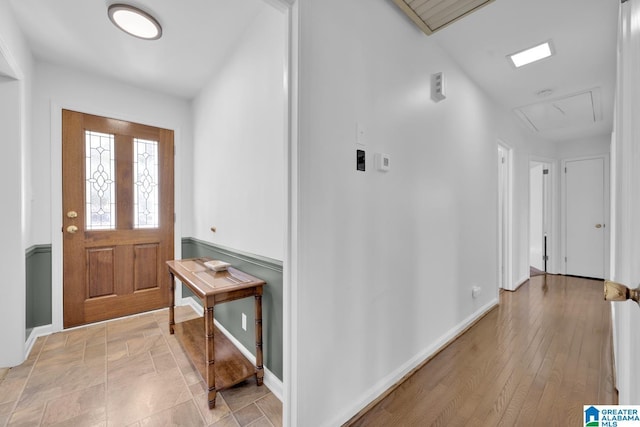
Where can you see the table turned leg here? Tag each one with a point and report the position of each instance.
(172, 303)
(210, 355)
(259, 367)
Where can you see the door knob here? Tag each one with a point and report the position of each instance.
(618, 292)
(598, 225)
(72, 214)
(72, 229)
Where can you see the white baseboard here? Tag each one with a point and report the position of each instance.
(394, 377)
(270, 380)
(521, 282)
(37, 332)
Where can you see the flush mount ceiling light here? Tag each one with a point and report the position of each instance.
(135, 22)
(533, 54)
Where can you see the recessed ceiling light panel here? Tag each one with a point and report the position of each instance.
(135, 22)
(533, 54)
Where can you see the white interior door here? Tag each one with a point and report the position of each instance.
(585, 213)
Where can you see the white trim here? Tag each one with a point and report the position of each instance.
(551, 197)
(270, 380)
(37, 332)
(506, 260)
(520, 282)
(56, 194)
(190, 302)
(392, 378)
(290, 265)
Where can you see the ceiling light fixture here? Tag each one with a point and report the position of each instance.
(533, 54)
(135, 22)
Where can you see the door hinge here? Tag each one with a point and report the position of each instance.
(502, 159)
(174, 217)
(565, 259)
(545, 258)
(545, 171)
(565, 169)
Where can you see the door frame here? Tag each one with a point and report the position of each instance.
(56, 193)
(607, 214)
(550, 194)
(290, 318)
(505, 220)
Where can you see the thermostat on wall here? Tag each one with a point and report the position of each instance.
(383, 162)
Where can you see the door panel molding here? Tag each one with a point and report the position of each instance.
(100, 272)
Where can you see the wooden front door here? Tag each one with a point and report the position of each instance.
(118, 214)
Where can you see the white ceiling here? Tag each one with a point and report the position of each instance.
(584, 33)
(197, 35)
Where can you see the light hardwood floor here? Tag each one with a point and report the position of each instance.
(535, 360)
(129, 372)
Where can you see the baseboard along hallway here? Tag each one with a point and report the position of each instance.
(536, 359)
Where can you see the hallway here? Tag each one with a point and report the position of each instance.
(536, 359)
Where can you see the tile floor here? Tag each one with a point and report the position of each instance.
(128, 372)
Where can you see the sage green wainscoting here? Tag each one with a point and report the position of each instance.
(230, 314)
(38, 275)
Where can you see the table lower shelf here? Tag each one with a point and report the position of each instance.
(230, 364)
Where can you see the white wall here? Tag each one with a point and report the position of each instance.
(592, 146)
(239, 142)
(12, 304)
(16, 62)
(386, 261)
(58, 87)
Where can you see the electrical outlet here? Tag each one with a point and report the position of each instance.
(244, 322)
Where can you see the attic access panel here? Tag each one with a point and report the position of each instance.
(432, 15)
(581, 109)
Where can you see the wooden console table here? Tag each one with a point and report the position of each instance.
(219, 362)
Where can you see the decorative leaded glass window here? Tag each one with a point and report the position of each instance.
(100, 187)
(145, 175)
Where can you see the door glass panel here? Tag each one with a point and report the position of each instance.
(100, 188)
(145, 172)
